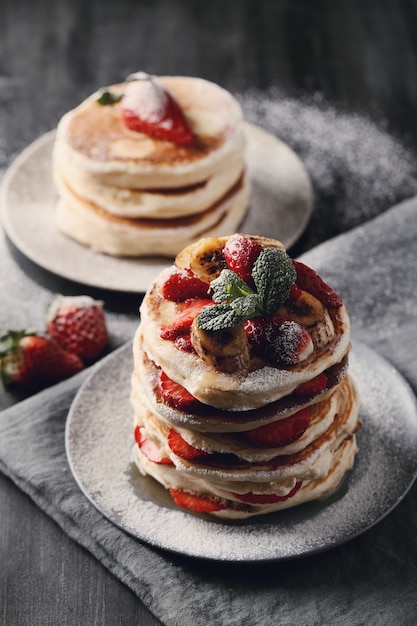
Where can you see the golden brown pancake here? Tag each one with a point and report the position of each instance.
(115, 235)
(96, 140)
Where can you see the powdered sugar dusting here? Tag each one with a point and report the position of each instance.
(146, 97)
(357, 168)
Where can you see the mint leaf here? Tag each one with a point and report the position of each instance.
(107, 97)
(218, 317)
(225, 315)
(247, 307)
(229, 286)
(274, 275)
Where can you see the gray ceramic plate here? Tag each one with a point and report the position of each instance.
(99, 440)
(281, 206)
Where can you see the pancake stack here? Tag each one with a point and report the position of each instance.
(243, 403)
(128, 193)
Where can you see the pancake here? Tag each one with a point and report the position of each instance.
(110, 234)
(95, 140)
(276, 429)
(162, 203)
(126, 193)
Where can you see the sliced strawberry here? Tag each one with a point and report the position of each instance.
(266, 498)
(181, 448)
(202, 504)
(175, 395)
(279, 433)
(150, 449)
(138, 435)
(184, 343)
(182, 284)
(241, 253)
(281, 341)
(308, 280)
(148, 107)
(313, 386)
(295, 293)
(182, 322)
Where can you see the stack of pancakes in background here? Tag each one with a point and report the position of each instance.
(234, 433)
(125, 193)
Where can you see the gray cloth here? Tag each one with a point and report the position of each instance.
(370, 580)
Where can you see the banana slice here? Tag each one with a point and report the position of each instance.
(265, 242)
(205, 258)
(227, 350)
(313, 316)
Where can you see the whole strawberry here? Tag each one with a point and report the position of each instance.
(78, 325)
(31, 361)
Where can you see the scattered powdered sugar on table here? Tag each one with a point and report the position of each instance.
(357, 168)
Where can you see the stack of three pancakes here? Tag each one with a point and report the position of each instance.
(124, 193)
(229, 471)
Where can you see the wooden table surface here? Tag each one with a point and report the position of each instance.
(358, 54)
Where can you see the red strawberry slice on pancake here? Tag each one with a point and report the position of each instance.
(267, 498)
(308, 280)
(182, 284)
(150, 449)
(195, 502)
(182, 448)
(312, 387)
(281, 432)
(175, 394)
(182, 322)
(281, 341)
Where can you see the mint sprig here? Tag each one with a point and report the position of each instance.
(107, 97)
(229, 286)
(273, 274)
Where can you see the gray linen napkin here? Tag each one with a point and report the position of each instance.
(372, 579)
(359, 580)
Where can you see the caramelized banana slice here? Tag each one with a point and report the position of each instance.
(227, 350)
(205, 258)
(265, 242)
(313, 316)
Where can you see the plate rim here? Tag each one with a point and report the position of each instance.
(45, 141)
(358, 346)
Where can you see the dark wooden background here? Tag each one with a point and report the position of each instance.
(358, 54)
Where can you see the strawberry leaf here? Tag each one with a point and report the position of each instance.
(10, 340)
